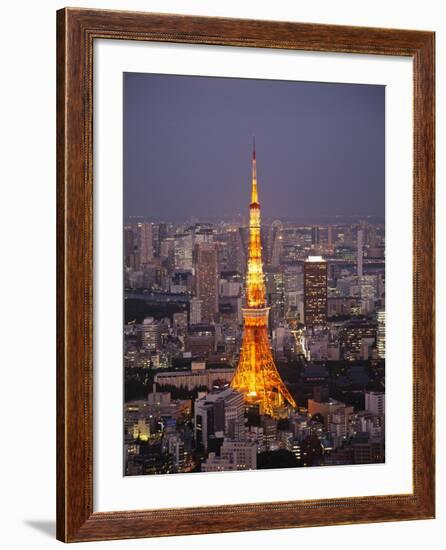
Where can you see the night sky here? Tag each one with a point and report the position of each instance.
(188, 140)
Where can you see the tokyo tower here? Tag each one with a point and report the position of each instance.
(257, 376)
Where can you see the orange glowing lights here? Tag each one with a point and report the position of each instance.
(256, 375)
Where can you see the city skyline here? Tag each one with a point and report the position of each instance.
(186, 141)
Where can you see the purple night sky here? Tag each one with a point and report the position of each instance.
(187, 148)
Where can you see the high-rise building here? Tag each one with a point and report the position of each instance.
(315, 291)
(174, 445)
(183, 251)
(219, 412)
(348, 236)
(195, 311)
(352, 335)
(207, 280)
(167, 250)
(276, 243)
(162, 234)
(315, 236)
(330, 236)
(381, 334)
(374, 402)
(359, 252)
(204, 235)
(269, 427)
(209, 418)
(274, 283)
(293, 288)
(235, 255)
(257, 376)
(149, 334)
(129, 247)
(145, 235)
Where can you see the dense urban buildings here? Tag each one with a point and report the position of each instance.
(253, 344)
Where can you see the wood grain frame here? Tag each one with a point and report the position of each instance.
(76, 31)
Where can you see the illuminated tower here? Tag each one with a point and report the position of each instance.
(256, 375)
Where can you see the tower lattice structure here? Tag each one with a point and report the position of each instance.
(257, 376)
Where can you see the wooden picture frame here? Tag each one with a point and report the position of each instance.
(76, 31)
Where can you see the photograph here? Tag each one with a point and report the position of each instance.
(254, 324)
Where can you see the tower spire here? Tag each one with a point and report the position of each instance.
(254, 192)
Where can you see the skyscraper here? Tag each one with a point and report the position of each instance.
(315, 236)
(256, 375)
(353, 335)
(145, 243)
(330, 236)
(236, 260)
(360, 244)
(162, 234)
(374, 402)
(220, 411)
(183, 251)
(381, 334)
(276, 242)
(206, 276)
(129, 247)
(315, 291)
(195, 311)
(149, 334)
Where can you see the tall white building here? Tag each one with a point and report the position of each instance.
(381, 334)
(150, 334)
(195, 306)
(183, 251)
(374, 402)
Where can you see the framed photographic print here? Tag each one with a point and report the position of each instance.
(245, 275)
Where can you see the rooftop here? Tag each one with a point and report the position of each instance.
(314, 259)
